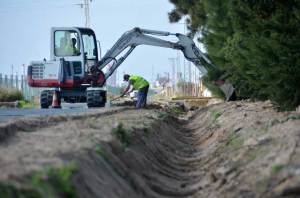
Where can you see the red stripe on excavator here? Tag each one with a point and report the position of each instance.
(68, 83)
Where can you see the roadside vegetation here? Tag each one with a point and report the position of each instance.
(10, 95)
(24, 104)
(14, 95)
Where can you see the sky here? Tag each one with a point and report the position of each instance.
(25, 30)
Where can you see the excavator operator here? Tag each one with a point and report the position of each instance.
(140, 84)
(74, 48)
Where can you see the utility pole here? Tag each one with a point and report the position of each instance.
(178, 67)
(86, 7)
(23, 69)
(87, 13)
(23, 78)
(152, 78)
(12, 70)
(189, 72)
(173, 65)
(12, 76)
(184, 62)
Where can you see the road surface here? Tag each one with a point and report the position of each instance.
(13, 113)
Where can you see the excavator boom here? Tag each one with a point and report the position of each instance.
(137, 36)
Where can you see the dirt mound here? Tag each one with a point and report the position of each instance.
(227, 150)
(35, 143)
(37, 122)
(235, 149)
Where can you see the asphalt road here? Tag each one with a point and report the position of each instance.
(13, 113)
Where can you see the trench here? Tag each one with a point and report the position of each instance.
(160, 161)
(226, 150)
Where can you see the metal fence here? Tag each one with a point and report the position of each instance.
(19, 83)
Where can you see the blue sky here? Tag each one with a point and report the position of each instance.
(25, 30)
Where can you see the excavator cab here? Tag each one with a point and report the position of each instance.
(77, 46)
(73, 52)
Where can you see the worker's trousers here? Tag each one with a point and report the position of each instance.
(142, 97)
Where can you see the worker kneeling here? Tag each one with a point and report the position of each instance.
(140, 84)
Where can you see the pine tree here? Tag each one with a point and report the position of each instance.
(254, 43)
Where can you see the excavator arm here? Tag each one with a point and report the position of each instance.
(137, 36)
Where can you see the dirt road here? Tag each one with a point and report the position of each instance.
(236, 149)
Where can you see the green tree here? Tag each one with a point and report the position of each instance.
(255, 44)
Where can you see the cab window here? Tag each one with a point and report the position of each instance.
(89, 47)
(66, 43)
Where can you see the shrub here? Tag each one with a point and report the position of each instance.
(10, 95)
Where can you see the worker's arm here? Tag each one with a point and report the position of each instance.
(128, 89)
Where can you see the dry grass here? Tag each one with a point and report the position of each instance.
(10, 95)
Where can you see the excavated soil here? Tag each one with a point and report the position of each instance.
(30, 144)
(235, 149)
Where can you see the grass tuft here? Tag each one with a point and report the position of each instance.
(162, 115)
(99, 150)
(215, 115)
(177, 111)
(24, 104)
(234, 141)
(277, 168)
(122, 134)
